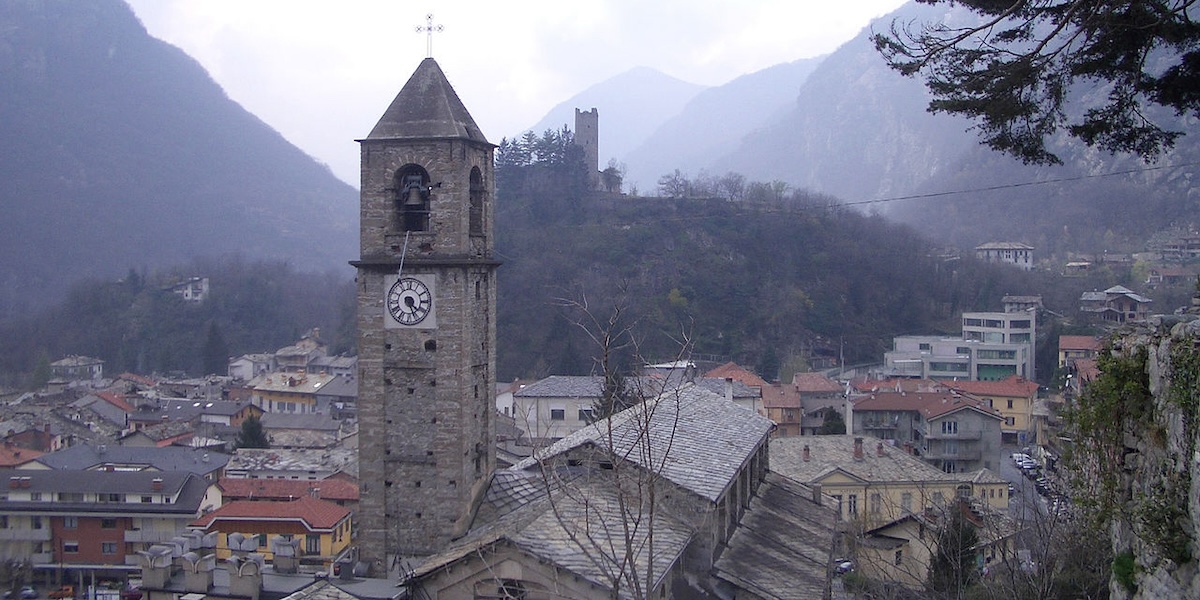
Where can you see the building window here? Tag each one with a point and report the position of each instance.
(876, 503)
(108, 547)
(558, 414)
(35, 496)
(838, 499)
(852, 504)
(312, 544)
(950, 427)
(1010, 404)
(70, 547)
(906, 502)
(147, 499)
(587, 415)
(70, 522)
(108, 523)
(1010, 421)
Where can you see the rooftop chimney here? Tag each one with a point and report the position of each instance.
(816, 491)
(156, 484)
(807, 454)
(729, 389)
(858, 448)
(879, 449)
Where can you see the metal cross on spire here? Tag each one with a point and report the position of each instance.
(428, 29)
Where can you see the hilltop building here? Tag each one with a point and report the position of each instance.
(1011, 253)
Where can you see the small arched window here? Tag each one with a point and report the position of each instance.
(478, 191)
(412, 198)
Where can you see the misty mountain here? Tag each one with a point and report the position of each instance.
(631, 105)
(714, 122)
(859, 131)
(118, 151)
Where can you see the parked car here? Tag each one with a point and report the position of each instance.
(25, 593)
(132, 592)
(62, 593)
(843, 566)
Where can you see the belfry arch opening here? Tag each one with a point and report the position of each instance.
(412, 198)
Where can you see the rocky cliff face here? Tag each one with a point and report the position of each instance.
(1156, 502)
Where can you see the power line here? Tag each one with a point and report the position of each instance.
(1007, 186)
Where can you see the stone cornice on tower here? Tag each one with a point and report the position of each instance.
(427, 107)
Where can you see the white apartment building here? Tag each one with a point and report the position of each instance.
(993, 346)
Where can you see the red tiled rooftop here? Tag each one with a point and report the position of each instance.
(1078, 342)
(929, 404)
(11, 456)
(1014, 386)
(814, 383)
(115, 399)
(286, 489)
(776, 396)
(316, 514)
(737, 373)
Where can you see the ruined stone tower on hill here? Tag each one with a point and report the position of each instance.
(426, 321)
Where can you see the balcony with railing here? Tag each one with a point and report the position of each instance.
(967, 454)
(152, 536)
(25, 535)
(935, 433)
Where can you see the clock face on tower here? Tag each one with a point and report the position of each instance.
(409, 302)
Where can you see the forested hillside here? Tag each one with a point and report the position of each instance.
(119, 151)
(765, 278)
(135, 324)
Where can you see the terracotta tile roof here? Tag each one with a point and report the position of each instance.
(1078, 342)
(781, 396)
(814, 383)
(287, 489)
(738, 373)
(117, 400)
(138, 379)
(315, 514)
(1014, 386)
(11, 456)
(929, 404)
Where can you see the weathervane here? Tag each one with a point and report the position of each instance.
(428, 29)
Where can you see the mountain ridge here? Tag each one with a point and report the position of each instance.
(114, 135)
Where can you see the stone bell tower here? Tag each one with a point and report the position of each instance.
(426, 322)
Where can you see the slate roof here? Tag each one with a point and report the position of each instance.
(188, 489)
(300, 459)
(705, 437)
(563, 386)
(552, 530)
(829, 453)
(427, 107)
(170, 458)
(782, 524)
(317, 515)
(313, 421)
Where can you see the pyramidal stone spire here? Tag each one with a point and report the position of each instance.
(427, 108)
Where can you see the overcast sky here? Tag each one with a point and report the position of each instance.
(321, 72)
